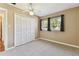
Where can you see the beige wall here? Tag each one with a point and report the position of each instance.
(11, 11)
(70, 35)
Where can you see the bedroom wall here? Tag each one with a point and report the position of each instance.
(71, 33)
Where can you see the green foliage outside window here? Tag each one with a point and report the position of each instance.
(55, 23)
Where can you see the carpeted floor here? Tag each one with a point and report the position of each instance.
(41, 48)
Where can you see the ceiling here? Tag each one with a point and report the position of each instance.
(43, 9)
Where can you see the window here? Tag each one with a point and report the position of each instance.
(55, 24)
(52, 24)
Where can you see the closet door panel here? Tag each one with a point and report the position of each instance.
(24, 30)
(18, 29)
(28, 29)
(32, 29)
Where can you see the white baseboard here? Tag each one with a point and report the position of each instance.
(59, 42)
(10, 48)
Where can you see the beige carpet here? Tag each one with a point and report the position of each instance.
(42, 48)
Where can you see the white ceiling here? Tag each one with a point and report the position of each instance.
(43, 9)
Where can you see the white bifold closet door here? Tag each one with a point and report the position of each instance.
(24, 29)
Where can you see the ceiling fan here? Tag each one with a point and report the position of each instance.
(30, 9)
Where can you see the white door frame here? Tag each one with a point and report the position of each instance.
(4, 27)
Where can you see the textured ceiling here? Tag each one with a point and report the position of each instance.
(43, 9)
